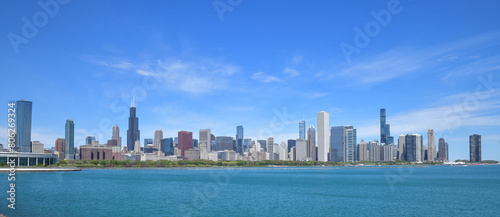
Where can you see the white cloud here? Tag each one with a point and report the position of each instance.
(263, 77)
(196, 77)
(291, 72)
(450, 113)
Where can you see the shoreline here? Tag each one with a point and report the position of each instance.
(35, 169)
(73, 169)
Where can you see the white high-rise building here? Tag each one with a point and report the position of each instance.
(283, 151)
(270, 148)
(431, 143)
(362, 151)
(36, 147)
(157, 140)
(205, 139)
(323, 135)
(116, 135)
(137, 147)
(301, 150)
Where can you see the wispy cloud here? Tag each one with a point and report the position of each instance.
(448, 114)
(264, 77)
(402, 61)
(195, 77)
(291, 72)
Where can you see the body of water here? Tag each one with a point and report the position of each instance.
(323, 191)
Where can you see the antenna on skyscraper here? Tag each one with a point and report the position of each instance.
(133, 102)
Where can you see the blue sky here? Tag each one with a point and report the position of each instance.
(265, 65)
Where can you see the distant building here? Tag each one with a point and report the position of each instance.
(96, 153)
(323, 136)
(475, 148)
(89, 139)
(23, 125)
(239, 140)
(29, 159)
(223, 143)
(195, 144)
(116, 136)
(185, 141)
(362, 151)
(343, 140)
(386, 153)
(37, 147)
(401, 154)
(270, 148)
(247, 144)
(69, 151)
(157, 139)
(283, 151)
(441, 155)
(413, 148)
(167, 146)
(302, 130)
(337, 145)
(311, 143)
(301, 150)
(385, 129)
(262, 145)
(60, 145)
(148, 141)
(431, 146)
(133, 133)
(291, 143)
(192, 154)
(205, 140)
(374, 150)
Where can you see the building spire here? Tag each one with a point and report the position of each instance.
(133, 102)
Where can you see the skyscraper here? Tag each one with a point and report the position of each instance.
(431, 146)
(205, 140)
(270, 148)
(167, 146)
(223, 143)
(60, 144)
(362, 151)
(239, 140)
(23, 125)
(133, 133)
(442, 150)
(69, 149)
(291, 143)
(385, 129)
(323, 135)
(302, 130)
(185, 141)
(475, 148)
(337, 145)
(116, 135)
(89, 139)
(301, 150)
(413, 144)
(157, 140)
(311, 143)
(262, 145)
(401, 148)
(350, 144)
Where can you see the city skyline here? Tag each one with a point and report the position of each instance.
(443, 78)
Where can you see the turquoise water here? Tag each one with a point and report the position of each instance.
(324, 191)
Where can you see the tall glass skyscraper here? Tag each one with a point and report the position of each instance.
(385, 129)
(23, 125)
(337, 146)
(133, 133)
(413, 150)
(69, 140)
(239, 140)
(343, 140)
(311, 143)
(302, 130)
